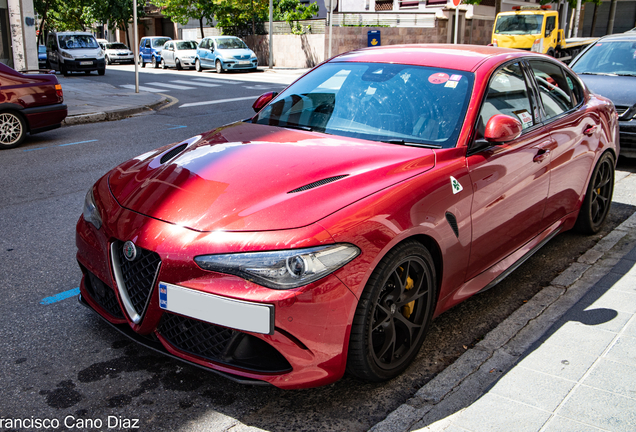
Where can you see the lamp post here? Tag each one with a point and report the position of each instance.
(135, 46)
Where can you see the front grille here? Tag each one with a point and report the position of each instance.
(139, 275)
(102, 294)
(197, 337)
(625, 112)
(628, 140)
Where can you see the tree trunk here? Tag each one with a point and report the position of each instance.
(201, 26)
(594, 19)
(41, 34)
(128, 38)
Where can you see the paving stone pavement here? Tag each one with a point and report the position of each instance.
(564, 362)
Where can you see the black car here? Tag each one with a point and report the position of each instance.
(608, 67)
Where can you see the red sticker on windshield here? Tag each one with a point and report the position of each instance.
(438, 78)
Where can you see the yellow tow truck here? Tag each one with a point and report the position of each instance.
(535, 28)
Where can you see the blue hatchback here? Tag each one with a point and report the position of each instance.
(224, 53)
(150, 50)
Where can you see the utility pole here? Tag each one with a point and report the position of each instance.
(612, 15)
(135, 46)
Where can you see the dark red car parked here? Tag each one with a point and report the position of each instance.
(379, 190)
(29, 103)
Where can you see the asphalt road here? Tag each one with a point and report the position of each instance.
(62, 363)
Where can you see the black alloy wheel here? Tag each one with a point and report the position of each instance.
(598, 198)
(394, 313)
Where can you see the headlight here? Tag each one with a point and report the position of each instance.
(66, 55)
(91, 214)
(282, 269)
(100, 54)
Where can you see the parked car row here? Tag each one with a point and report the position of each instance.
(222, 53)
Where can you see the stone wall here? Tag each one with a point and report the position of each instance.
(308, 50)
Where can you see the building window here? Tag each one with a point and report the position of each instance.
(436, 2)
(383, 5)
(409, 4)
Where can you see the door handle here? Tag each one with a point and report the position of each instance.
(544, 150)
(589, 131)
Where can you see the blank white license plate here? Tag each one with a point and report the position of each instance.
(86, 63)
(244, 62)
(237, 314)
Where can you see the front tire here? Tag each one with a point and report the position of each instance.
(101, 71)
(218, 66)
(12, 130)
(177, 64)
(598, 197)
(197, 66)
(141, 61)
(394, 313)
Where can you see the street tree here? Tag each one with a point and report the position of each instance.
(292, 11)
(117, 13)
(181, 11)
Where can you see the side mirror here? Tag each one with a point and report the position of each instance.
(502, 128)
(263, 100)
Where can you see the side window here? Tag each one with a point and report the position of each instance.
(575, 88)
(550, 25)
(147, 43)
(507, 94)
(206, 44)
(553, 88)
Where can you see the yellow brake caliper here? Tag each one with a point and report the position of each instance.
(407, 310)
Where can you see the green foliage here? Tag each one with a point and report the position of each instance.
(292, 11)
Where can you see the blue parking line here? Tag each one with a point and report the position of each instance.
(175, 127)
(61, 145)
(61, 296)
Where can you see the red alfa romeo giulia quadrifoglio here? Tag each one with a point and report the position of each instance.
(324, 234)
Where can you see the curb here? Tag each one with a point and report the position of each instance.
(464, 381)
(111, 115)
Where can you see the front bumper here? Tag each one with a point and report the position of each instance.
(309, 340)
(121, 59)
(84, 65)
(237, 64)
(627, 132)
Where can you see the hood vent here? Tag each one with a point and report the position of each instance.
(318, 183)
(172, 153)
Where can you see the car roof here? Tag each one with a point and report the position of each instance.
(619, 37)
(460, 57)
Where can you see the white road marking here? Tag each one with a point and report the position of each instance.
(218, 81)
(217, 101)
(172, 86)
(143, 88)
(201, 84)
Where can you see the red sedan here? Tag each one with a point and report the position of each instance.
(376, 192)
(29, 103)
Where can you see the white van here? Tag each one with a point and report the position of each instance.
(74, 52)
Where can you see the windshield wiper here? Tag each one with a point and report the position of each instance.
(413, 144)
(626, 74)
(597, 73)
(295, 126)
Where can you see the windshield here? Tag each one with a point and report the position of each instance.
(519, 24)
(119, 46)
(77, 41)
(186, 45)
(158, 43)
(608, 58)
(381, 102)
(230, 43)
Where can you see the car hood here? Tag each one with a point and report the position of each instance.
(80, 53)
(247, 177)
(241, 52)
(619, 89)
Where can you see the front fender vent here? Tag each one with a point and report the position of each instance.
(318, 183)
(452, 221)
(172, 153)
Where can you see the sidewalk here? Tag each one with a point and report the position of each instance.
(564, 362)
(90, 100)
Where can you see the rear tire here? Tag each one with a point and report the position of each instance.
(12, 130)
(141, 61)
(598, 197)
(163, 64)
(154, 62)
(394, 313)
